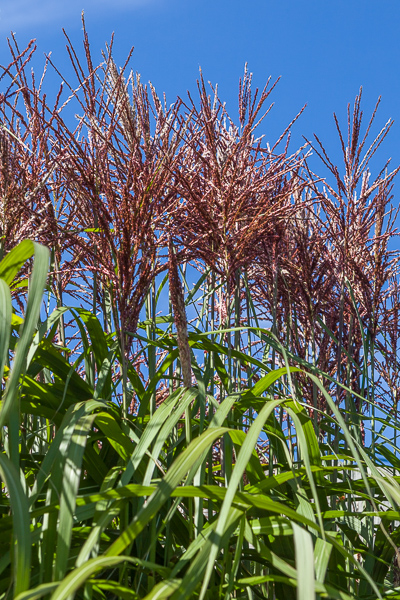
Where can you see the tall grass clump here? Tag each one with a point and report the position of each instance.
(198, 347)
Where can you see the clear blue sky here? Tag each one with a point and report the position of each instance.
(323, 50)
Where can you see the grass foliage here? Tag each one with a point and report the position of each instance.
(231, 438)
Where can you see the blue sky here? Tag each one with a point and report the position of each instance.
(323, 50)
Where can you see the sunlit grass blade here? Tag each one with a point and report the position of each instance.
(304, 552)
(37, 285)
(5, 324)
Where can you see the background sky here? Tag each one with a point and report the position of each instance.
(324, 50)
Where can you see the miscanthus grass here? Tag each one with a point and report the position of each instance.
(198, 348)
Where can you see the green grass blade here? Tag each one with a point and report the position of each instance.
(21, 525)
(5, 324)
(37, 285)
(71, 479)
(74, 580)
(12, 263)
(322, 554)
(304, 553)
(164, 589)
(38, 592)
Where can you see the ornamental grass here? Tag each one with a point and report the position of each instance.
(199, 346)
